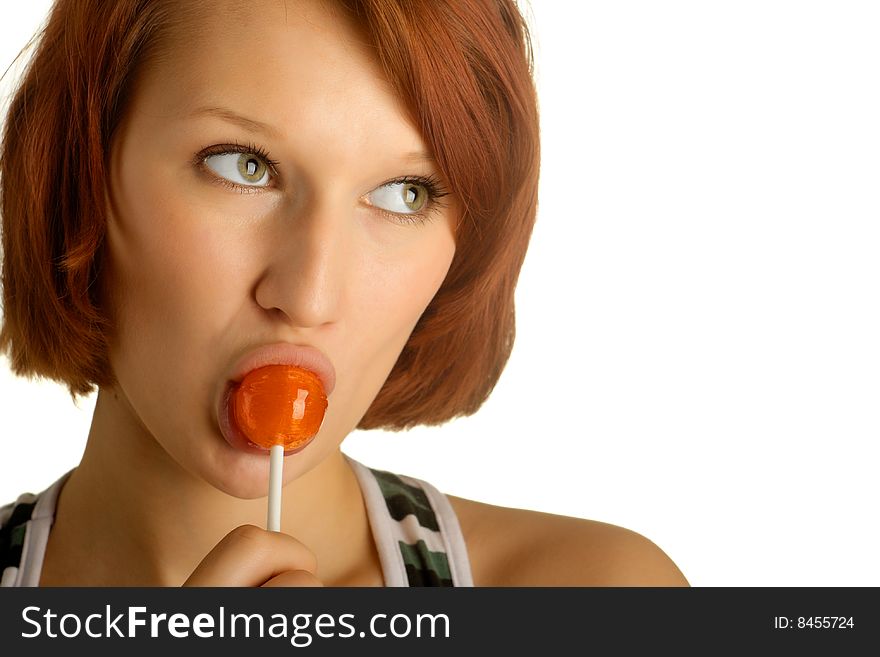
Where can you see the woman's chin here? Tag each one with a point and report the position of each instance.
(242, 471)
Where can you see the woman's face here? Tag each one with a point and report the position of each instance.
(312, 251)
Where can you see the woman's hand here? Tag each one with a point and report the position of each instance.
(251, 556)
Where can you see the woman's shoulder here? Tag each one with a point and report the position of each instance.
(518, 547)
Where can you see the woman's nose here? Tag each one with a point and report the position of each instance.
(304, 274)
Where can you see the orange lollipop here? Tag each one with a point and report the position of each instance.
(279, 405)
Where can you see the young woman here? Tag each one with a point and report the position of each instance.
(191, 190)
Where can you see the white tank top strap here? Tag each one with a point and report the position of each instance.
(416, 531)
(30, 536)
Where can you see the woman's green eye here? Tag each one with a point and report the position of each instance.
(408, 199)
(403, 197)
(249, 168)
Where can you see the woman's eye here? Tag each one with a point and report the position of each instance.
(401, 197)
(240, 168)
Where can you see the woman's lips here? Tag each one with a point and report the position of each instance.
(282, 353)
(285, 353)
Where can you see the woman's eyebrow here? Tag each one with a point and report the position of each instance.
(252, 125)
(420, 156)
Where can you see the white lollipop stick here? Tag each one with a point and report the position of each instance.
(276, 464)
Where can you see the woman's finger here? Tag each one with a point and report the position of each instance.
(298, 578)
(251, 556)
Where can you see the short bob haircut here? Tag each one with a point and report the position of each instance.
(464, 70)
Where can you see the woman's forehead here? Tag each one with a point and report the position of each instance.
(281, 75)
(267, 54)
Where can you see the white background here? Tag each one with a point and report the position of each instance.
(697, 339)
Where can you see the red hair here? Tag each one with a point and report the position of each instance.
(463, 68)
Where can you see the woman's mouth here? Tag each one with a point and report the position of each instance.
(234, 436)
(305, 356)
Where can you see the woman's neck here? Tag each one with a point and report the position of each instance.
(129, 515)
